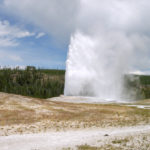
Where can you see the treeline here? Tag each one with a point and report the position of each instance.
(41, 83)
(46, 83)
(138, 86)
(145, 85)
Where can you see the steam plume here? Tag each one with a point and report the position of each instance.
(104, 48)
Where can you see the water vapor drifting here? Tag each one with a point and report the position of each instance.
(109, 38)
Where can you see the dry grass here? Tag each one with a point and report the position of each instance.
(46, 115)
(143, 102)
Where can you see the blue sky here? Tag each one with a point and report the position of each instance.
(24, 43)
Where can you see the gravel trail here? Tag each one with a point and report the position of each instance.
(60, 140)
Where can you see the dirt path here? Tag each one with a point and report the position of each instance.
(60, 140)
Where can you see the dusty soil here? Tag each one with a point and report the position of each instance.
(136, 138)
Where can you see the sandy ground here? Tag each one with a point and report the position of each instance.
(72, 123)
(71, 139)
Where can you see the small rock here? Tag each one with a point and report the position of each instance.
(106, 135)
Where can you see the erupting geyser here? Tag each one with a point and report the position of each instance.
(110, 36)
(95, 66)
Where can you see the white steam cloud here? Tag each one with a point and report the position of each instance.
(96, 65)
(110, 37)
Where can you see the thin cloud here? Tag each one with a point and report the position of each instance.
(41, 34)
(139, 72)
(8, 42)
(7, 55)
(9, 34)
(58, 18)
